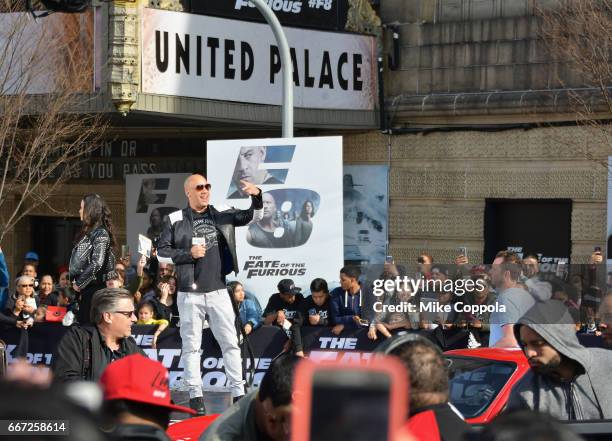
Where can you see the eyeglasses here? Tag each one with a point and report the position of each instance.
(201, 187)
(25, 286)
(128, 314)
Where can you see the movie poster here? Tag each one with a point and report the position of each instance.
(366, 202)
(148, 198)
(299, 235)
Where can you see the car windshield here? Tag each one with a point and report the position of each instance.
(475, 382)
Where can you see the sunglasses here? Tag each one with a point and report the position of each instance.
(128, 314)
(26, 286)
(201, 187)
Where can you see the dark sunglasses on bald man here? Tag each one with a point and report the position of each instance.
(201, 187)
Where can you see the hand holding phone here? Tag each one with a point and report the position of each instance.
(368, 401)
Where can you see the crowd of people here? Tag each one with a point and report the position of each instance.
(184, 285)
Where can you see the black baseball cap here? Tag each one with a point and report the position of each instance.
(286, 286)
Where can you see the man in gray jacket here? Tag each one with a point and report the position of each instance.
(567, 380)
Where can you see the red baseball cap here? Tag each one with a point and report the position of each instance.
(140, 379)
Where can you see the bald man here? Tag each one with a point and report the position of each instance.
(200, 242)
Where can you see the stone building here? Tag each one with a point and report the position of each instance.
(473, 119)
(478, 120)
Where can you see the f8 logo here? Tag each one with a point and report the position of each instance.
(147, 196)
(255, 164)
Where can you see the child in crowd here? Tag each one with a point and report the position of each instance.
(146, 317)
(164, 299)
(316, 306)
(67, 299)
(41, 314)
(250, 312)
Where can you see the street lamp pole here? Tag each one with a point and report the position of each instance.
(286, 65)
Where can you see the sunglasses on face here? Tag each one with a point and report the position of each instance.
(128, 314)
(201, 187)
(26, 286)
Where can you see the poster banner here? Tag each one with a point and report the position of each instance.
(267, 343)
(216, 58)
(366, 205)
(300, 234)
(148, 198)
(318, 14)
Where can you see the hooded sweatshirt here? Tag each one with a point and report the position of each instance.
(589, 395)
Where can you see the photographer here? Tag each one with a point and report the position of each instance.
(24, 286)
(540, 289)
(16, 316)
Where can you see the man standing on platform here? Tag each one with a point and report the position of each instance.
(200, 241)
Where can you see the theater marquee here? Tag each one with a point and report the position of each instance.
(204, 57)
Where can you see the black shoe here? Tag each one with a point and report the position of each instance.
(235, 399)
(197, 404)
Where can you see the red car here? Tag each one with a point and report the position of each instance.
(190, 429)
(481, 380)
(480, 384)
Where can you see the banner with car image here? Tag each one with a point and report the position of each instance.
(300, 234)
(366, 206)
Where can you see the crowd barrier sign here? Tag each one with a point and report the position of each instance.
(267, 343)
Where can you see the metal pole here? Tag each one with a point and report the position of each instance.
(286, 65)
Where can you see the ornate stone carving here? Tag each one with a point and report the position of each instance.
(543, 143)
(362, 18)
(168, 5)
(371, 146)
(495, 181)
(589, 224)
(123, 54)
(465, 223)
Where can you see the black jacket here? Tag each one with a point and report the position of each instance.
(175, 240)
(92, 260)
(80, 355)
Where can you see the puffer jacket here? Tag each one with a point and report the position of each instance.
(175, 241)
(92, 259)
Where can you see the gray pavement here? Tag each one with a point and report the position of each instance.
(215, 402)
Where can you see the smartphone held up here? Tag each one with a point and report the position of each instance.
(367, 401)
